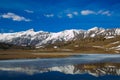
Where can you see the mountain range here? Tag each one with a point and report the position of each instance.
(30, 37)
(41, 38)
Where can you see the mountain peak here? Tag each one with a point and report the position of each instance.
(93, 29)
(31, 30)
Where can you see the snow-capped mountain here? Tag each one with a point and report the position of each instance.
(30, 37)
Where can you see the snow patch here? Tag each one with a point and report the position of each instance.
(109, 37)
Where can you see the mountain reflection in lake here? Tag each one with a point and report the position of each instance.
(81, 67)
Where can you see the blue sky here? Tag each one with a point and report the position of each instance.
(58, 15)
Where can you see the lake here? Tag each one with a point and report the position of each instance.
(78, 67)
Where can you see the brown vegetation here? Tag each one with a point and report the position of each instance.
(29, 54)
(64, 49)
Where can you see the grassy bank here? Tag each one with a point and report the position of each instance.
(31, 54)
(28, 54)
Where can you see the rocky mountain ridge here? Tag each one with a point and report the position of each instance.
(40, 38)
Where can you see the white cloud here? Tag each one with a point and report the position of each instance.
(14, 17)
(49, 15)
(107, 13)
(69, 15)
(75, 13)
(29, 11)
(100, 12)
(87, 12)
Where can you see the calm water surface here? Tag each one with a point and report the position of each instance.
(79, 67)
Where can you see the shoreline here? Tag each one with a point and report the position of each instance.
(30, 54)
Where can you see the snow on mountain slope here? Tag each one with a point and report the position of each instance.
(10, 36)
(30, 37)
(66, 35)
